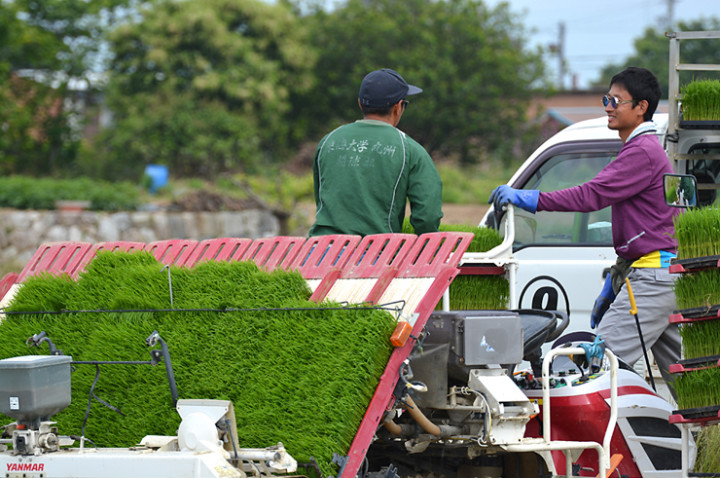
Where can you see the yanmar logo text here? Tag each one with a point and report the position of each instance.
(26, 467)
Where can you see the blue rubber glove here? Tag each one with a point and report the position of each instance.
(602, 303)
(526, 199)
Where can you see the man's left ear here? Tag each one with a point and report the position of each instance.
(643, 104)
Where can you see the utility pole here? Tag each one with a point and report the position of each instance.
(561, 54)
(669, 20)
(559, 50)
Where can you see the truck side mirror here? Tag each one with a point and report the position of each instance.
(680, 190)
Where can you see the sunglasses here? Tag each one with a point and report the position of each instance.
(614, 101)
(404, 103)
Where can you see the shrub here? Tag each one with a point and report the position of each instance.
(23, 192)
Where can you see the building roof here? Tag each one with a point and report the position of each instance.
(570, 107)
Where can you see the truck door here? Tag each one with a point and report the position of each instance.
(563, 256)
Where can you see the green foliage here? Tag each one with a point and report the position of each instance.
(698, 232)
(472, 184)
(296, 371)
(700, 339)
(25, 45)
(23, 192)
(58, 41)
(698, 289)
(701, 100)
(479, 293)
(484, 240)
(482, 291)
(37, 137)
(472, 61)
(708, 450)
(652, 51)
(699, 388)
(278, 188)
(204, 86)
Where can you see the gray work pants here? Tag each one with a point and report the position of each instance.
(655, 300)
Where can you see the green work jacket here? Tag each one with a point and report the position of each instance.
(364, 174)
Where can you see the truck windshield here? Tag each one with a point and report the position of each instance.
(563, 171)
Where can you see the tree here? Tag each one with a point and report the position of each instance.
(31, 117)
(472, 62)
(45, 45)
(652, 51)
(72, 32)
(204, 85)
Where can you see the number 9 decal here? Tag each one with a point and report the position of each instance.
(546, 296)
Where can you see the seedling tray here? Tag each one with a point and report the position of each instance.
(704, 415)
(698, 363)
(695, 314)
(481, 270)
(700, 124)
(679, 266)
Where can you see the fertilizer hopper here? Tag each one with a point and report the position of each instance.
(34, 387)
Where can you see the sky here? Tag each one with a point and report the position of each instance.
(599, 32)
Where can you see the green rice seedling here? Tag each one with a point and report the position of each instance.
(296, 371)
(698, 232)
(484, 240)
(479, 293)
(700, 339)
(698, 289)
(708, 450)
(44, 294)
(701, 100)
(698, 388)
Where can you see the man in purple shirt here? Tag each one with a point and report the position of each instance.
(642, 224)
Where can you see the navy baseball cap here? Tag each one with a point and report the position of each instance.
(383, 88)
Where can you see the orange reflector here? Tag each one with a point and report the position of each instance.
(401, 333)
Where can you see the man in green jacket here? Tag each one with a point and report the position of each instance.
(366, 171)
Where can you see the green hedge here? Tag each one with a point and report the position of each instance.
(23, 192)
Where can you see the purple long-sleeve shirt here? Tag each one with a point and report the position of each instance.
(633, 185)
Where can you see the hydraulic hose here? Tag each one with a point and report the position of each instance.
(421, 419)
(392, 427)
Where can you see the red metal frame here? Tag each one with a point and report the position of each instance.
(433, 251)
(432, 255)
(273, 252)
(6, 283)
(126, 246)
(321, 254)
(220, 249)
(172, 252)
(55, 258)
(376, 256)
(704, 421)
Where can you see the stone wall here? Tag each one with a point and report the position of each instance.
(23, 231)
